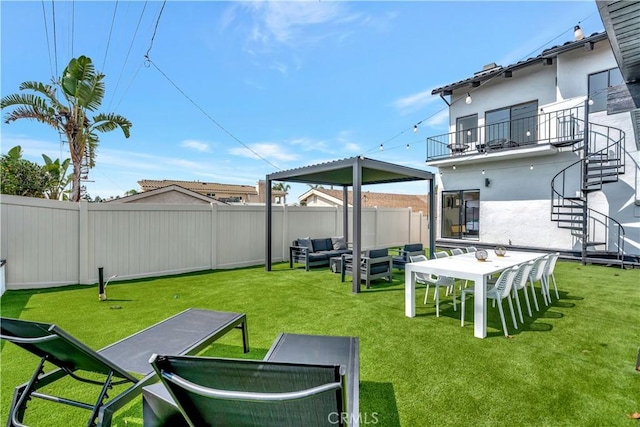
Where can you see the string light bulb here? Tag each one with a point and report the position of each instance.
(482, 171)
(468, 99)
(531, 167)
(590, 101)
(381, 147)
(407, 147)
(528, 133)
(415, 128)
(578, 34)
(454, 167)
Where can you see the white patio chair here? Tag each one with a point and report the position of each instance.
(548, 274)
(535, 275)
(456, 251)
(498, 291)
(471, 249)
(436, 281)
(520, 282)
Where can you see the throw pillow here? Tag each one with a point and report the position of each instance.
(338, 243)
(305, 242)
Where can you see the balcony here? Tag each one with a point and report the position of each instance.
(561, 128)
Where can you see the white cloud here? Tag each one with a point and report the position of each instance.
(195, 145)
(439, 118)
(264, 150)
(414, 102)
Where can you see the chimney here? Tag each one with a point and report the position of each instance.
(261, 188)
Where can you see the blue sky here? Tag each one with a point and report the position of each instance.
(298, 83)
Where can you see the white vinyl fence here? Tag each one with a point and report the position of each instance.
(48, 243)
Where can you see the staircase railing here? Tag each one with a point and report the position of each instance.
(602, 162)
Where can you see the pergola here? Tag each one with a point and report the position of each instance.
(352, 172)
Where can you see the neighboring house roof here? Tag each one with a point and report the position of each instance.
(546, 57)
(169, 194)
(204, 187)
(197, 186)
(369, 199)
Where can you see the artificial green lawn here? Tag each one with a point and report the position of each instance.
(572, 364)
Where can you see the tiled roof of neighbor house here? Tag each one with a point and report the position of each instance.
(385, 200)
(493, 70)
(203, 187)
(197, 186)
(148, 194)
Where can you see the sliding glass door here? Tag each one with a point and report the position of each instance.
(460, 214)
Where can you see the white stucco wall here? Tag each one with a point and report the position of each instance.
(575, 66)
(523, 223)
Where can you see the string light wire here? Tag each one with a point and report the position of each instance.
(570, 29)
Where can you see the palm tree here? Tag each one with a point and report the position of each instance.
(83, 90)
(280, 186)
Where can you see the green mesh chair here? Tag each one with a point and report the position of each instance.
(240, 392)
(69, 355)
(119, 363)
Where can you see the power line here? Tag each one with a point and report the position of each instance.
(55, 42)
(46, 33)
(155, 29)
(73, 24)
(214, 121)
(148, 61)
(113, 19)
(135, 33)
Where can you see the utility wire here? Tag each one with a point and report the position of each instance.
(148, 62)
(113, 19)
(46, 33)
(73, 23)
(55, 42)
(155, 29)
(214, 121)
(126, 59)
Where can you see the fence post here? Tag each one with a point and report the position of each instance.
(214, 236)
(85, 253)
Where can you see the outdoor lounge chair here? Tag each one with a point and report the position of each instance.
(237, 392)
(375, 264)
(304, 380)
(405, 252)
(185, 333)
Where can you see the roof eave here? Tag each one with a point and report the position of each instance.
(545, 57)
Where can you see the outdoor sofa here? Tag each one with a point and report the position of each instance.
(316, 252)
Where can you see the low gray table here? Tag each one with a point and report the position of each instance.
(185, 333)
(159, 409)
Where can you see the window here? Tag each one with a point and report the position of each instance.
(598, 84)
(461, 214)
(467, 129)
(516, 123)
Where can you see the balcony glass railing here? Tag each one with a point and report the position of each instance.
(558, 128)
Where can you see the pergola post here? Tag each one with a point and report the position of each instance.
(267, 264)
(345, 212)
(357, 224)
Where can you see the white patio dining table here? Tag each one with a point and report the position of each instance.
(467, 267)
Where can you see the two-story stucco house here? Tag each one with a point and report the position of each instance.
(543, 154)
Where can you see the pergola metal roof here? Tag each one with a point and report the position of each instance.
(352, 172)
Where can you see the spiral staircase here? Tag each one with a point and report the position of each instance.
(599, 237)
